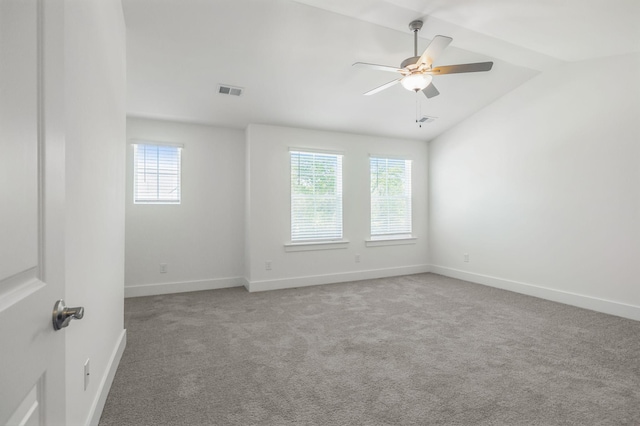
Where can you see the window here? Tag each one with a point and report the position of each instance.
(390, 198)
(156, 174)
(316, 196)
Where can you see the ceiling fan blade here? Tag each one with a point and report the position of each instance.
(377, 67)
(455, 69)
(430, 91)
(435, 48)
(381, 88)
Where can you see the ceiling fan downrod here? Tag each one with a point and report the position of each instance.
(415, 26)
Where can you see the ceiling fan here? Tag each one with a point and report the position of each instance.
(418, 71)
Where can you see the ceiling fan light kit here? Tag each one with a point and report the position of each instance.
(417, 71)
(416, 82)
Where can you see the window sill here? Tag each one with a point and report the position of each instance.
(316, 245)
(390, 241)
(156, 203)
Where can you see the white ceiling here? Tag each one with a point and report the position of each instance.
(294, 57)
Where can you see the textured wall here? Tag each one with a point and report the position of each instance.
(201, 239)
(542, 188)
(268, 210)
(95, 128)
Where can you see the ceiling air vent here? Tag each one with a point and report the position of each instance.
(225, 89)
(426, 119)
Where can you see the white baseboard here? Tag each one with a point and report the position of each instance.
(181, 287)
(282, 283)
(573, 299)
(105, 384)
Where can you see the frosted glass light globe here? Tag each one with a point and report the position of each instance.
(416, 82)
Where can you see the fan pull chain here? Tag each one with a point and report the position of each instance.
(418, 110)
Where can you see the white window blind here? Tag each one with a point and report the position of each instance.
(316, 196)
(156, 174)
(390, 197)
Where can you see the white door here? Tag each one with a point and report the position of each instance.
(32, 354)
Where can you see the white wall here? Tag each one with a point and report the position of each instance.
(542, 189)
(268, 210)
(95, 95)
(201, 239)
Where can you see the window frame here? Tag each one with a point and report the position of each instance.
(319, 243)
(381, 239)
(139, 198)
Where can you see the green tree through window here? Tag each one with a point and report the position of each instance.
(390, 197)
(316, 196)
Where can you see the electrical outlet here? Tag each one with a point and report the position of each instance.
(163, 268)
(357, 258)
(87, 364)
(267, 265)
(466, 257)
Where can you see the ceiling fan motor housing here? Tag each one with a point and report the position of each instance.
(409, 61)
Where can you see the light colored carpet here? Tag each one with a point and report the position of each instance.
(414, 350)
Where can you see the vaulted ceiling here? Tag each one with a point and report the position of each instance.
(294, 58)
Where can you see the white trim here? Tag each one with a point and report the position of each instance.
(391, 156)
(378, 242)
(282, 283)
(587, 302)
(316, 245)
(316, 151)
(105, 384)
(148, 142)
(137, 290)
(400, 231)
(154, 197)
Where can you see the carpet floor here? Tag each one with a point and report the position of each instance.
(414, 350)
